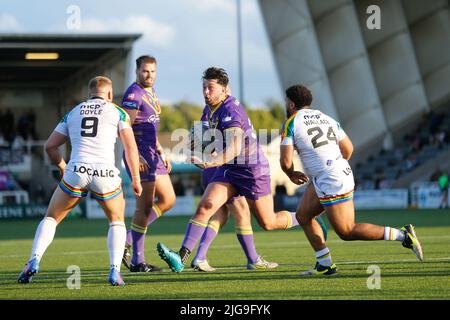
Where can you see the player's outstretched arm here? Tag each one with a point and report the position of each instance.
(346, 147)
(51, 146)
(132, 157)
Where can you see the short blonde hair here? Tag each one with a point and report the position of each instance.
(99, 84)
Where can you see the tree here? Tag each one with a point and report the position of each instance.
(191, 112)
(183, 114)
(171, 119)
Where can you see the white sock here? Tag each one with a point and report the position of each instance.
(45, 233)
(117, 235)
(393, 234)
(323, 257)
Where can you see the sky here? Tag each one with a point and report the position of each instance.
(186, 37)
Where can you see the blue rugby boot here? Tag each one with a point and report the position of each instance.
(172, 258)
(115, 278)
(31, 268)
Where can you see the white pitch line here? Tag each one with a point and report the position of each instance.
(393, 261)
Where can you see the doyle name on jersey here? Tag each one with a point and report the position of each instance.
(90, 109)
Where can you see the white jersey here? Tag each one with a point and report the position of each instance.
(93, 127)
(316, 138)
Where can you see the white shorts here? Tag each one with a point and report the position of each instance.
(102, 180)
(335, 185)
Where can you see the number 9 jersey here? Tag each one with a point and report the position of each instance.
(93, 127)
(316, 138)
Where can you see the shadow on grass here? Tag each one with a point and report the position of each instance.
(80, 227)
(57, 281)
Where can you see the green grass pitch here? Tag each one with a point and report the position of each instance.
(82, 243)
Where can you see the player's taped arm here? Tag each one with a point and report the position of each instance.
(51, 146)
(233, 148)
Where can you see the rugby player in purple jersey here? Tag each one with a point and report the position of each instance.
(141, 103)
(242, 169)
(238, 208)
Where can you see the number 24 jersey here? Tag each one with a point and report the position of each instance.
(316, 138)
(93, 127)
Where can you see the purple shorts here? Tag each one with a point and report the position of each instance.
(155, 163)
(207, 175)
(249, 182)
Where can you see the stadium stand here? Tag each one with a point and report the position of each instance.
(35, 94)
(430, 138)
(6, 181)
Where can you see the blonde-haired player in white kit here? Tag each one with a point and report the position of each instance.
(324, 150)
(92, 127)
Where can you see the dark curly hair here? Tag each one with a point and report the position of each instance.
(299, 95)
(214, 73)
